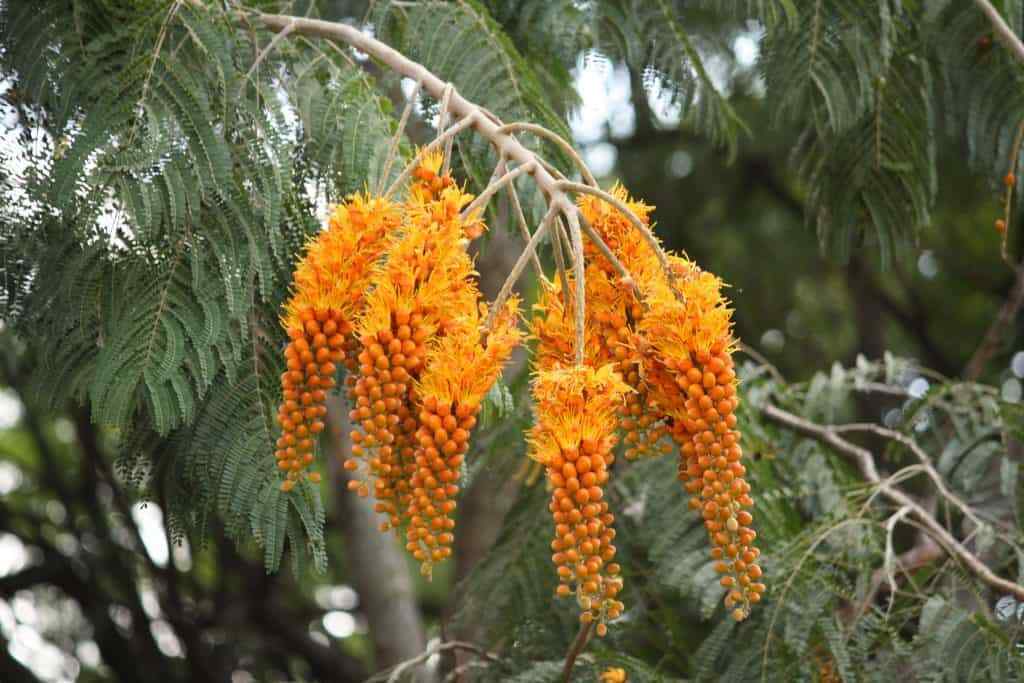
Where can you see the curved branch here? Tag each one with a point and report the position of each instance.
(580, 642)
(517, 269)
(865, 462)
(524, 228)
(573, 218)
(1006, 34)
(484, 123)
(562, 143)
(395, 674)
(607, 253)
(465, 122)
(494, 187)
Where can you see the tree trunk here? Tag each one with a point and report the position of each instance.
(379, 569)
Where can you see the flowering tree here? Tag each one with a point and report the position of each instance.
(167, 258)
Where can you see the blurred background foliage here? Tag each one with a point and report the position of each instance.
(97, 586)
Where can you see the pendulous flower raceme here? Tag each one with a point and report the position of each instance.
(423, 292)
(327, 296)
(573, 438)
(460, 370)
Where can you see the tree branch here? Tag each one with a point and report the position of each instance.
(485, 125)
(1002, 29)
(865, 463)
(994, 335)
(395, 674)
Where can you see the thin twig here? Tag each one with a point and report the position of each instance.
(270, 46)
(563, 278)
(520, 265)
(760, 358)
(524, 227)
(1008, 204)
(890, 555)
(580, 642)
(442, 122)
(394, 674)
(924, 551)
(1004, 31)
(925, 461)
(562, 143)
(580, 308)
(397, 139)
(865, 462)
(627, 277)
(486, 125)
(468, 120)
(997, 328)
(494, 187)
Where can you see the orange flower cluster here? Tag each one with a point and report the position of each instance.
(613, 313)
(573, 438)
(672, 347)
(328, 287)
(615, 674)
(459, 371)
(389, 291)
(422, 368)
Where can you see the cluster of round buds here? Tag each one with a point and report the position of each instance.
(713, 473)
(616, 312)
(428, 180)
(460, 369)
(420, 294)
(643, 429)
(695, 383)
(672, 346)
(573, 438)
(443, 440)
(382, 408)
(311, 359)
(328, 287)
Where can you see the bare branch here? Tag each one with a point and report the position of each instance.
(517, 269)
(484, 122)
(888, 566)
(575, 649)
(644, 231)
(270, 46)
(395, 674)
(865, 462)
(562, 143)
(494, 187)
(560, 262)
(577, 242)
(627, 277)
(397, 139)
(926, 463)
(524, 228)
(468, 120)
(1006, 34)
(997, 329)
(442, 122)
(760, 358)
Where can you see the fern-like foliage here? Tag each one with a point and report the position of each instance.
(653, 38)
(158, 231)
